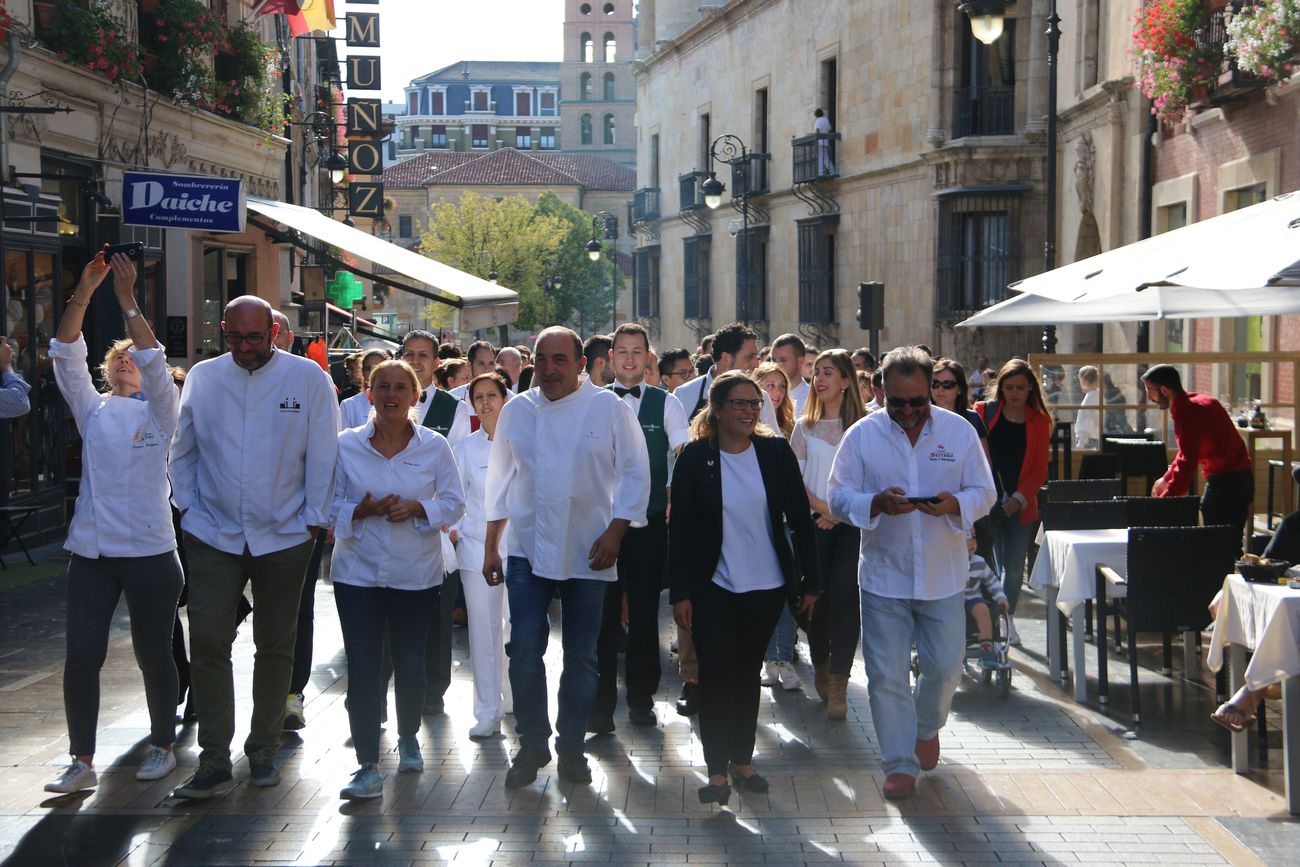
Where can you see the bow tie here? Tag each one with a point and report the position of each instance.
(635, 391)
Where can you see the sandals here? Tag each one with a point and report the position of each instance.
(1220, 716)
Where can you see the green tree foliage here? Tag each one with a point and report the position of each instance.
(527, 245)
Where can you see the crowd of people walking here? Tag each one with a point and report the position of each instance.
(768, 489)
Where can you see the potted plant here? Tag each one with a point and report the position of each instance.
(179, 37)
(248, 81)
(92, 37)
(1174, 66)
(1264, 38)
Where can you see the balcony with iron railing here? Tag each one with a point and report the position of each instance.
(815, 157)
(984, 109)
(749, 175)
(645, 205)
(1231, 84)
(690, 194)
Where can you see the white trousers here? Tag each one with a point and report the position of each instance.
(489, 630)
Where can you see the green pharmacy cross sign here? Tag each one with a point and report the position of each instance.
(344, 289)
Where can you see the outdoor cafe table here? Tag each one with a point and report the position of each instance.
(1265, 619)
(1065, 571)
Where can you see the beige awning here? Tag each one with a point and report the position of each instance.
(482, 304)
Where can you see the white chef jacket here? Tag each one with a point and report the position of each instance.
(354, 411)
(252, 462)
(560, 472)
(122, 508)
(799, 394)
(472, 456)
(913, 556)
(377, 552)
(688, 394)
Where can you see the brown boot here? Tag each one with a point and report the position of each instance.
(821, 678)
(837, 700)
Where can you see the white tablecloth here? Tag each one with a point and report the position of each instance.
(1068, 561)
(1264, 618)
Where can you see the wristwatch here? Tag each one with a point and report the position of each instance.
(131, 314)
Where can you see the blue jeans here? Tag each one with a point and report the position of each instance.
(364, 612)
(900, 713)
(1011, 541)
(781, 646)
(581, 602)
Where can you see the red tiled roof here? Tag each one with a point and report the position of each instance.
(411, 173)
(507, 167)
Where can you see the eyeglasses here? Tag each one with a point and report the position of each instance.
(680, 374)
(739, 404)
(945, 384)
(913, 402)
(251, 339)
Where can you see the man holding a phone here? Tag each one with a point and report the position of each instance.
(914, 479)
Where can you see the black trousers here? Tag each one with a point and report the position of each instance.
(1228, 499)
(302, 647)
(1285, 544)
(837, 617)
(731, 631)
(642, 560)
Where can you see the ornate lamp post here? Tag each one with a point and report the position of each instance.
(594, 249)
(730, 149)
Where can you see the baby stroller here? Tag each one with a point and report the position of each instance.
(997, 668)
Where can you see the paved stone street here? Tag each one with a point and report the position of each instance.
(1033, 778)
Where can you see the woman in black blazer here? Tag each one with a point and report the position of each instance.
(732, 568)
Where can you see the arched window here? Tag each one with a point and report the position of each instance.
(587, 48)
(584, 129)
(584, 86)
(609, 129)
(609, 85)
(610, 49)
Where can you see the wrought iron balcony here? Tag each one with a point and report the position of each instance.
(645, 204)
(983, 110)
(815, 157)
(749, 175)
(1231, 84)
(690, 195)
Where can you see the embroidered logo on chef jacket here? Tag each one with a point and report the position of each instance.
(290, 404)
(940, 453)
(144, 439)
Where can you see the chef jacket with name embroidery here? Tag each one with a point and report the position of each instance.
(252, 462)
(122, 508)
(560, 471)
(377, 552)
(912, 556)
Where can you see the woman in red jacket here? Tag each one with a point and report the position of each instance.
(1020, 427)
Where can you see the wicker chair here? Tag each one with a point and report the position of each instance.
(1162, 511)
(1137, 459)
(1173, 573)
(1084, 515)
(1099, 467)
(1069, 491)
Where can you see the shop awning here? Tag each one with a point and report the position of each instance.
(482, 304)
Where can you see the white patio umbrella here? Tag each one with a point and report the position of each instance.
(1244, 263)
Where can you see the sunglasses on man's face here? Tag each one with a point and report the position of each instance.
(913, 402)
(945, 384)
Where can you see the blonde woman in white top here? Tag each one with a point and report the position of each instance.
(832, 408)
(489, 627)
(121, 537)
(396, 486)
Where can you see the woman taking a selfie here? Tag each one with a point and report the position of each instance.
(734, 488)
(121, 537)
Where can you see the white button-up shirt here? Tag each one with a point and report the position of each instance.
(252, 463)
(377, 552)
(675, 424)
(13, 395)
(689, 395)
(354, 411)
(912, 556)
(799, 394)
(122, 508)
(561, 471)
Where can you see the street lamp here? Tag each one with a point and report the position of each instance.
(986, 22)
(729, 149)
(493, 276)
(337, 164)
(593, 246)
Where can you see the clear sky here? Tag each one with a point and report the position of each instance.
(419, 36)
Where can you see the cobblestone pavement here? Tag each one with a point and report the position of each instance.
(1032, 778)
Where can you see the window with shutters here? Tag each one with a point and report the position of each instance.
(751, 274)
(695, 276)
(817, 269)
(523, 103)
(437, 101)
(478, 135)
(978, 249)
(645, 282)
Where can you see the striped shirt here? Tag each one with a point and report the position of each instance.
(982, 582)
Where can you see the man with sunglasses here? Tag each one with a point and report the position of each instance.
(914, 478)
(252, 471)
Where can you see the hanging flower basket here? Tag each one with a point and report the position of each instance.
(1171, 61)
(1264, 38)
(92, 37)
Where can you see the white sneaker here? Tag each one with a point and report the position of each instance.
(157, 764)
(484, 730)
(789, 677)
(771, 674)
(76, 776)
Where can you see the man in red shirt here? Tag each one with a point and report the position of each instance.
(1206, 436)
